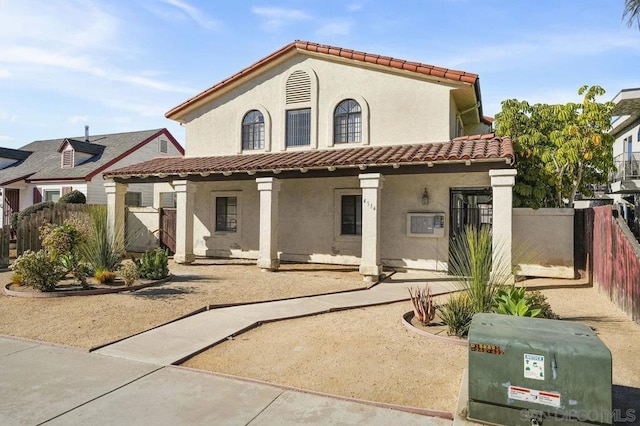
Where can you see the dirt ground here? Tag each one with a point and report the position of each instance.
(90, 321)
(364, 353)
(367, 353)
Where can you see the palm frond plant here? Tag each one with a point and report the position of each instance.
(102, 251)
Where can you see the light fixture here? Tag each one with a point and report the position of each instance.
(425, 197)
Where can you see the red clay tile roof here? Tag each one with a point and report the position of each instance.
(400, 64)
(459, 150)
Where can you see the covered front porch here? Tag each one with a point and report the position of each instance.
(356, 212)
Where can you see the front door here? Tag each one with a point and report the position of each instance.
(168, 229)
(468, 207)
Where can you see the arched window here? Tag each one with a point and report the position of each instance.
(347, 122)
(253, 130)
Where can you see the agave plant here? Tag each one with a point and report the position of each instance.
(423, 307)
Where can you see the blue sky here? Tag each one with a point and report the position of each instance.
(120, 65)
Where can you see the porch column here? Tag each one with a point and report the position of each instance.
(115, 210)
(502, 182)
(370, 264)
(268, 188)
(185, 197)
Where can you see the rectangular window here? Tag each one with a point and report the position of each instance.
(226, 214)
(299, 127)
(167, 200)
(51, 195)
(164, 146)
(351, 215)
(133, 199)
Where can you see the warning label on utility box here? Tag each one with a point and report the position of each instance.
(537, 397)
(534, 367)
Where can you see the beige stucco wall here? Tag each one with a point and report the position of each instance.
(309, 219)
(141, 224)
(543, 242)
(393, 102)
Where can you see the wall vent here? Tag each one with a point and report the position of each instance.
(298, 88)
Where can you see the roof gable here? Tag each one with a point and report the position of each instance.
(327, 51)
(43, 163)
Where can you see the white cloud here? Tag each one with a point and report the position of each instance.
(5, 138)
(338, 27)
(77, 119)
(4, 73)
(194, 14)
(356, 5)
(8, 117)
(277, 18)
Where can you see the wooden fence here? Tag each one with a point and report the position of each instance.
(28, 229)
(614, 256)
(5, 238)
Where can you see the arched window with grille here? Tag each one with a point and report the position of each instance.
(253, 130)
(347, 122)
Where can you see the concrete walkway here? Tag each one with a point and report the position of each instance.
(132, 381)
(172, 343)
(53, 385)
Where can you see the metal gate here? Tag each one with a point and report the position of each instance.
(468, 207)
(11, 204)
(168, 229)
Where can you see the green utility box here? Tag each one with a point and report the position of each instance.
(531, 371)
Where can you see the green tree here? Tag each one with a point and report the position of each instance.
(632, 12)
(561, 149)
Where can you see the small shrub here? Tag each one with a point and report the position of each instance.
(512, 301)
(154, 264)
(35, 208)
(73, 197)
(457, 314)
(129, 272)
(16, 279)
(103, 276)
(537, 300)
(38, 270)
(423, 307)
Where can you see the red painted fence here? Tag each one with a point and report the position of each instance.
(615, 255)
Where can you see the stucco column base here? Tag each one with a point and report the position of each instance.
(502, 182)
(268, 265)
(370, 273)
(184, 258)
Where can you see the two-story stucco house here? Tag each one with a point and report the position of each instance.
(322, 154)
(44, 170)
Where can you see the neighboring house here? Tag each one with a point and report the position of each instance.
(322, 154)
(625, 182)
(45, 170)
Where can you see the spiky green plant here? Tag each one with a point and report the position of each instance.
(480, 271)
(101, 250)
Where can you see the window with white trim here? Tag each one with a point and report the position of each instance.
(133, 199)
(351, 215)
(347, 122)
(226, 214)
(298, 127)
(253, 130)
(51, 195)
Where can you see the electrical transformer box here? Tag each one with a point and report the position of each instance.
(531, 371)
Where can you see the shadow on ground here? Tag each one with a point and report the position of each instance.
(626, 405)
(162, 293)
